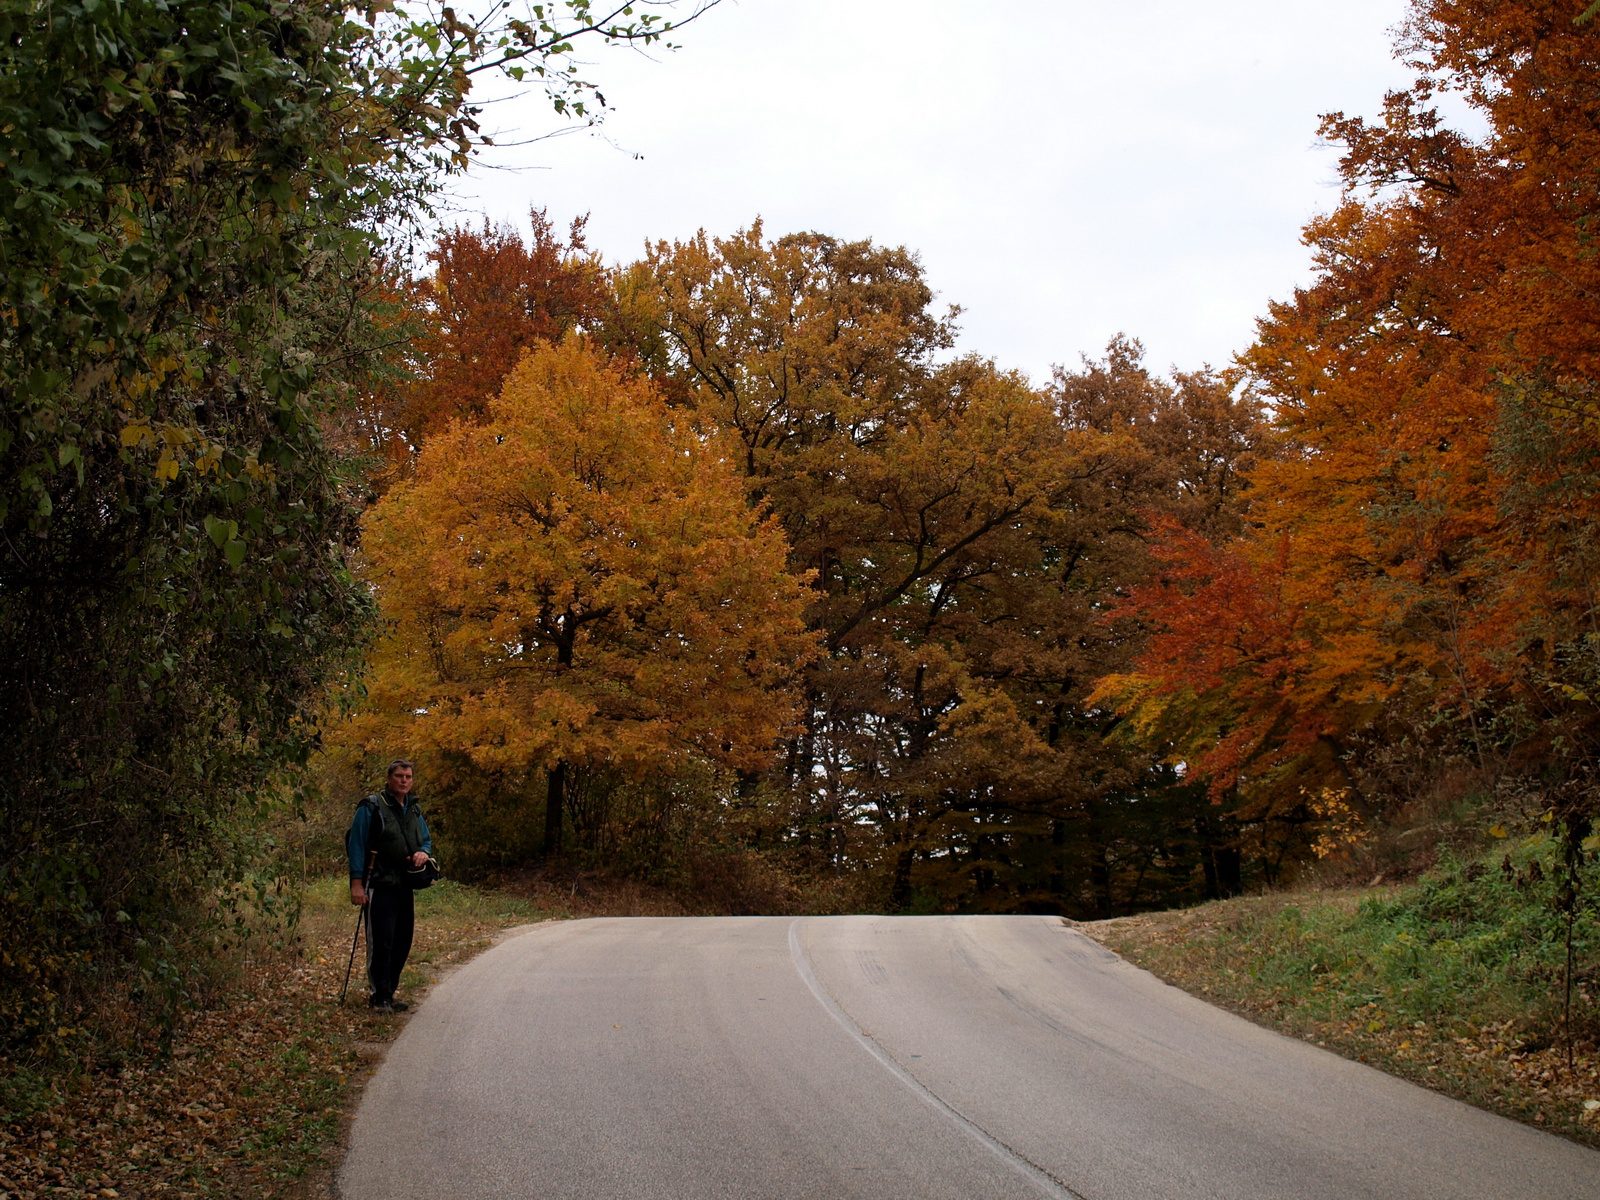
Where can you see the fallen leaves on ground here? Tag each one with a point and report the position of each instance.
(254, 1097)
(249, 1099)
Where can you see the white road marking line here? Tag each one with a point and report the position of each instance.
(1047, 1183)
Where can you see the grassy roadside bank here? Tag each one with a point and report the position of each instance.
(1440, 982)
(253, 1100)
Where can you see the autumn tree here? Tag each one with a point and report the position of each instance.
(816, 356)
(1427, 535)
(490, 296)
(577, 580)
(459, 326)
(963, 530)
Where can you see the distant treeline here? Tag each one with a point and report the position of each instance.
(1112, 642)
(878, 663)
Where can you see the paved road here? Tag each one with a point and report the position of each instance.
(890, 1058)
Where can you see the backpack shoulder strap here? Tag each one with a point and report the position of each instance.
(373, 806)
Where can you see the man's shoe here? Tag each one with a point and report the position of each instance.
(384, 1007)
(398, 1006)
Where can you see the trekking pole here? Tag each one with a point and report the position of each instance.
(372, 856)
(360, 916)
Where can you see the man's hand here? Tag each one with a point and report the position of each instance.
(419, 858)
(358, 892)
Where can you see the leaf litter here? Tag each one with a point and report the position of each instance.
(255, 1097)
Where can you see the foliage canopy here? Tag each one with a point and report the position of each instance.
(192, 202)
(577, 580)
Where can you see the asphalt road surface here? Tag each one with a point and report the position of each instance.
(890, 1058)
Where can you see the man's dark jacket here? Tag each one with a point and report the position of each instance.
(394, 830)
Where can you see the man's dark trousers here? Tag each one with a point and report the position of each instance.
(391, 914)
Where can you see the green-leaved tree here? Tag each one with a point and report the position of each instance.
(194, 202)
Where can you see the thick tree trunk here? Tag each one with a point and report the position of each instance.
(1230, 871)
(554, 799)
(982, 849)
(900, 892)
(1221, 863)
(1341, 761)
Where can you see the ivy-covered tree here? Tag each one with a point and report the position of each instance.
(193, 201)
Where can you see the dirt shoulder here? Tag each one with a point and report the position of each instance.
(1322, 967)
(256, 1095)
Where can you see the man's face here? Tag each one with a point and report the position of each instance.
(400, 781)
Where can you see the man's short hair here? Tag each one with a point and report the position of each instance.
(399, 763)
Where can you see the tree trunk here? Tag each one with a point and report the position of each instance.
(1208, 868)
(805, 780)
(746, 783)
(553, 804)
(1222, 863)
(1229, 864)
(1058, 863)
(1099, 861)
(556, 793)
(900, 892)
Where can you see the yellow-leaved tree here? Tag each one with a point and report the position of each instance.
(579, 581)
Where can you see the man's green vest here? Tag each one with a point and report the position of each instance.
(398, 835)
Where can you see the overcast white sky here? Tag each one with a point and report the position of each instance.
(1066, 168)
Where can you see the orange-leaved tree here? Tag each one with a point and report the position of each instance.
(457, 330)
(1245, 677)
(492, 294)
(1435, 379)
(964, 529)
(578, 580)
(1434, 506)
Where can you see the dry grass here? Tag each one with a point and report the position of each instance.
(734, 884)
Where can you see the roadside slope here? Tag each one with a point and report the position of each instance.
(253, 1099)
(1417, 981)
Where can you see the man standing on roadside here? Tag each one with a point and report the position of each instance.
(390, 823)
